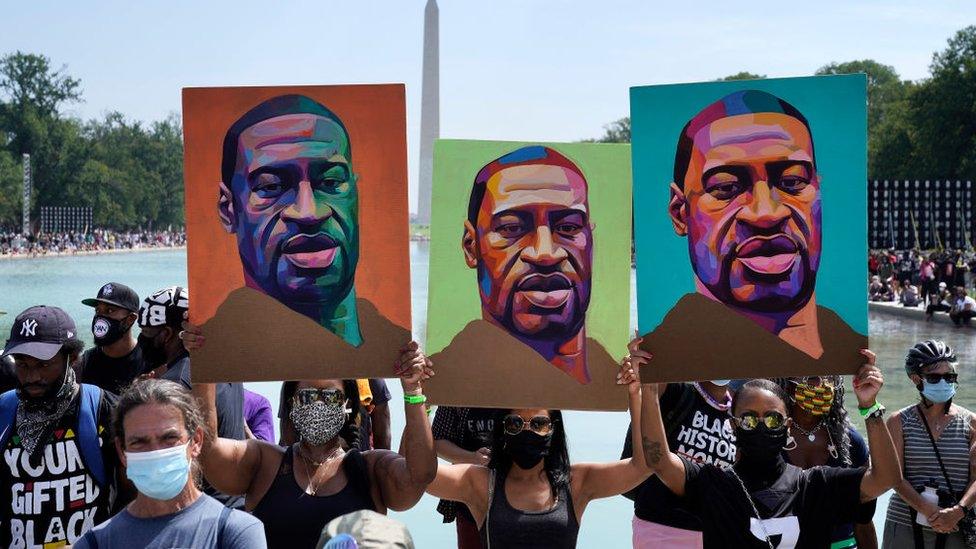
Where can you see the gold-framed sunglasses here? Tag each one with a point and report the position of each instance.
(773, 420)
(309, 395)
(515, 424)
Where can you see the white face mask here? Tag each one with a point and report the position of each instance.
(721, 382)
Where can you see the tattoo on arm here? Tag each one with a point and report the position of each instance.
(652, 451)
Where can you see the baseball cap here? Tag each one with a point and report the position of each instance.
(40, 331)
(164, 308)
(367, 529)
(116, 294)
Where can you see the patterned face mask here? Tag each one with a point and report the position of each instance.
(318, 422)
(815, 399)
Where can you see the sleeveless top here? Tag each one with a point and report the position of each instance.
(922, 467)
(293, 518)
(507, 527)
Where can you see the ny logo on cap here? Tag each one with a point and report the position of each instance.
(28, 328)
(107, 290)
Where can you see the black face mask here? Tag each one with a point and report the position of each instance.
(154, 355)
(527, 448)
(107, 330)
(760, 445)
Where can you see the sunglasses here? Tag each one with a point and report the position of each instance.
(935, 378)
(813, 381)
(774, 421)
(310, 395)
(540, 425)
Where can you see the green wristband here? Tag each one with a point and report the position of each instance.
(865, 412)
(415, 399)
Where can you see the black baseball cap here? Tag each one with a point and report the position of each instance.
(116, 294)
(164, 308)
(40, 332)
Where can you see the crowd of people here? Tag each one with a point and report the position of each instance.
(114, 447)
(15, 243)
(939, 282)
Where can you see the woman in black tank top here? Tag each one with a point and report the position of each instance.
(529, 495)
(296, 491)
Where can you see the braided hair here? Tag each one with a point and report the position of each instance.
(836, 421)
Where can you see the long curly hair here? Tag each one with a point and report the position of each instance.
(836, 422)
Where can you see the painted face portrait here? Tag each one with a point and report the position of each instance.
(749, 203)
(289, 195)
(531, 242)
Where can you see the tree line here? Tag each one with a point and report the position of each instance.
(130, 173)
(924, 129)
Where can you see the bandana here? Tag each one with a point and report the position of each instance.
(36, 418)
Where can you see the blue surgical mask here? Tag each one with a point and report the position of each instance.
(160, 474)
(938, 392)
(721, 382)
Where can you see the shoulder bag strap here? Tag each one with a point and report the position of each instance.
(222, 525)
(938, 456)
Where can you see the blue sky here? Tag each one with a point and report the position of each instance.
(510, 69)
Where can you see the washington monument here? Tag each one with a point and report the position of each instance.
(429, 110)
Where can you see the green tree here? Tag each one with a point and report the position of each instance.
(889, 142)
(943, 112)
(31, 91)
(617, 131)
(742, 75)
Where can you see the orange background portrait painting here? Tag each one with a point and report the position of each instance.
(297, 230)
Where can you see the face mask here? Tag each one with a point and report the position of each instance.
(107, 330)
(938, 392)
(160, 474)
(721, 382)
(816, 400)
(527, 448)
(318, 422)
(153, 354)
(760, 444)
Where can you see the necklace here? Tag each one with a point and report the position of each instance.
(722, 406)
(812, 433)
(310, 472)
(753, 505)
(812, 436)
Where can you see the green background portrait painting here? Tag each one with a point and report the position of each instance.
(751, 264)
(549, 266)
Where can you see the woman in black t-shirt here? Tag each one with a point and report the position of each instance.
(762, 499)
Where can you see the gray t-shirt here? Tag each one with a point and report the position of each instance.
(195, 526)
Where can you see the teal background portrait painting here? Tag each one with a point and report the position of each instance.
(695, 288)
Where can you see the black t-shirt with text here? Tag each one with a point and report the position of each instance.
(798, 511)
(111, 374)
(696, 430)
(53, 500)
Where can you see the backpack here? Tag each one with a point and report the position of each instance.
(86, 431)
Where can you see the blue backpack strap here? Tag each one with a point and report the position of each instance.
(8, 414)
(87, 435)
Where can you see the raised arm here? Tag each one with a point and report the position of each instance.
(402, 478)
(602, 480)
(229, 465)
(654, 442)
(883, 472)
